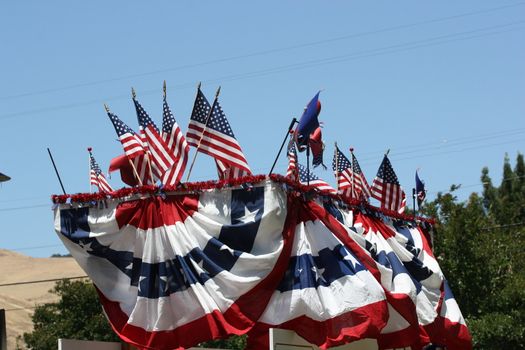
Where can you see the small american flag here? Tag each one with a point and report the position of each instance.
(421, 193)
(215, 138)
(97, 178)
(343, 173)
(133, 148)
(313, 180)
(160, 155)
(361, 189)
(130, 141)
(291, 172)
(386, 188)
(174, 138)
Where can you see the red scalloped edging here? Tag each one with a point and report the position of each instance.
(208, 185)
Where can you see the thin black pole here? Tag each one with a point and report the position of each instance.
(414, 201)
(56, 171)
(282, 145)
(308, 161)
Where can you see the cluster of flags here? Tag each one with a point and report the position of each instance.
(156, 155)
(351, 182)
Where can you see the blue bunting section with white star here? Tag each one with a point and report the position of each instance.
(182, 268)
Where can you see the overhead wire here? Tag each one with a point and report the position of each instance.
(439, 40)
(42, 281)
(269, 51)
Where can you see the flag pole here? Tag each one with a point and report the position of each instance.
(414, 202)
(294, 120)
(129, 160)
(336, 167)
(56, 170)
(205, 126)
(353, 175)
(308, 160)
(89, 168)
(146, 149)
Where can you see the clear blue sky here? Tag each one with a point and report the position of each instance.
(439, 83)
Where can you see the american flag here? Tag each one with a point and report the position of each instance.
(421, 193)
(160, 155)
(215, 138)
(97, 178)
(291, 172)
(343, 173)
(361, 189)
(313, 180)
(174, 138)
(130, 141)
(386, 188)
(133, 148)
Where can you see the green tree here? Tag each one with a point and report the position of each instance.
(234, 342)
(77, 315)
(479, 244)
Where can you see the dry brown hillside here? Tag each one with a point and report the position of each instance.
(19, 300)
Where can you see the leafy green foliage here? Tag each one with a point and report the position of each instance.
(480, 244)
(234, 342)
(77, 315)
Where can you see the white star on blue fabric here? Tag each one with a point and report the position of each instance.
(249, 216)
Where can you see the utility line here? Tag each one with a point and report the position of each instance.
(298, 66)
(42, 281)
(26, 207)
(447, 143)
(34, 247)
(394, 157)
(514, 224)
(269, 51)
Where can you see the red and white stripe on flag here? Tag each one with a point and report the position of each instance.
(216, 144)
(179, 147)
(391, 196)
(100, 181)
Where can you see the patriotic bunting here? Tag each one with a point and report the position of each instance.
(173, 271)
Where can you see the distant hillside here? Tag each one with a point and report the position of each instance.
(20, 300)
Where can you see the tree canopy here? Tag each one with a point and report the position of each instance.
(77, 315)
(479, 244)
